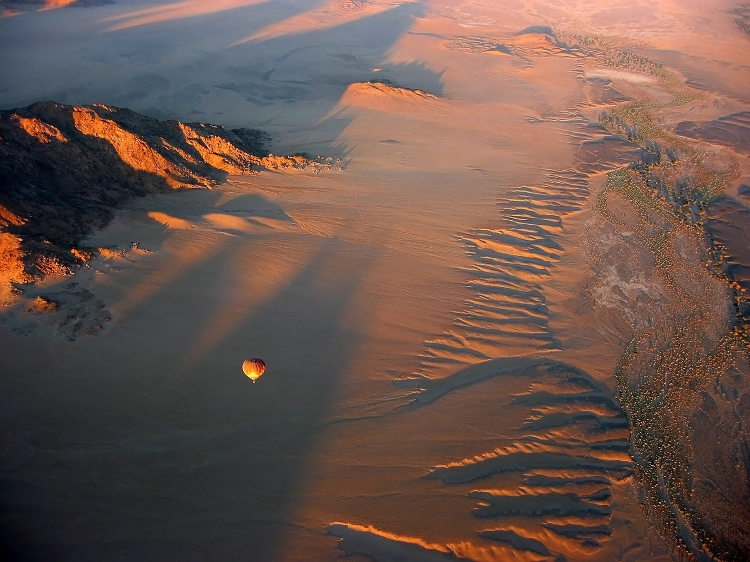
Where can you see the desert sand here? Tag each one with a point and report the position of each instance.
(502, 322)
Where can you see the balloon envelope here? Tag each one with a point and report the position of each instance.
(253, 368)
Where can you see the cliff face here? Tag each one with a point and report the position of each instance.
(65, 169)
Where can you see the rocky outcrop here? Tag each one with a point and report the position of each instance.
(65, 169)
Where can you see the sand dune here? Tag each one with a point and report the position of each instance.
(382, 545)
(504, 316)
(385, 96)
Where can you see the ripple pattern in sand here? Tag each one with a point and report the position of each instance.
(550, 491)
(507, 313)
(572, 453)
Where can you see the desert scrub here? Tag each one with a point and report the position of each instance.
(680, 378)
(661, 389)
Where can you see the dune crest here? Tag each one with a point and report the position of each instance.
(387, 89)
(382, 545)
(383, 95)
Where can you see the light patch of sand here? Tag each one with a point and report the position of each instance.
(172, 11)
(231, 223)
(612, 74)
(333, 14)
(228, 222)
(169, 221)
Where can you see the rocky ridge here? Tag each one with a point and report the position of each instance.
(64, 170)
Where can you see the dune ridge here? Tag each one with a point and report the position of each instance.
(650, 182)
(571, 456)
(383, 545)
(514, 327)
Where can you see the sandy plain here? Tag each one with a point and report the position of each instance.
(442, 311)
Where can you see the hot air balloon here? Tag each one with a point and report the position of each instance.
(253, 368)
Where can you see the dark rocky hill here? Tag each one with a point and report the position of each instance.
(65, 169)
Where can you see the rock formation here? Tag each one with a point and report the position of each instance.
(65, 169)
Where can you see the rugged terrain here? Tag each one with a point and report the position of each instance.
(65, 169)
(513, 327)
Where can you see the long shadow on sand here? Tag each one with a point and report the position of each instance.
(188, 461)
